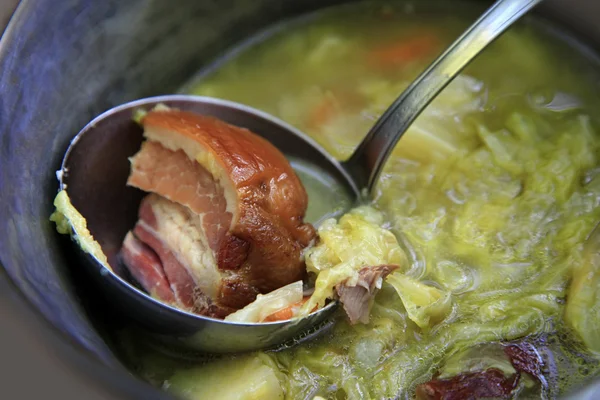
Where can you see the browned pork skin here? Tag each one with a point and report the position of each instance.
(224, 220)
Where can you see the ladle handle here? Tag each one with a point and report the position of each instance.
(367, 161)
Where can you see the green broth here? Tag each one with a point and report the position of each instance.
(492, 192)
(327, 198)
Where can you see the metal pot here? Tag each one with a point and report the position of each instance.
(62, 63)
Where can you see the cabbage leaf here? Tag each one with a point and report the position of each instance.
(268, 304)
(424, 304)
(583, 302)
(346, 246)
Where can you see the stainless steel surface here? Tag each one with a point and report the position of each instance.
(367, 162)
(94, 172)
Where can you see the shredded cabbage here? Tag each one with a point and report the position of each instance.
(477, 359)
(424, 304)
(583, 303)
(70, 222)
(347, 246)
(268, 304)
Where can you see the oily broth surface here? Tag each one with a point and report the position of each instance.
(498, 227)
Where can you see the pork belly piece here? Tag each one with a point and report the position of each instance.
(225, 217)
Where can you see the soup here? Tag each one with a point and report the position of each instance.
(491, 195)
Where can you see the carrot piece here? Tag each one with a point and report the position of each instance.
(404, 52)
(286, 313)
(281, 315)
(323, 112)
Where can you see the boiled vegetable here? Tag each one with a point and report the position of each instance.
(220, 380)
(347, 246)
(70, 222)
(424, 304)
(417, 48)
(583, 302)
(477, 359)
(268, 304)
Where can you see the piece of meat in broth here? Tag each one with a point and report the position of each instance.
(357, 298)
(491, 383)
(225, 216)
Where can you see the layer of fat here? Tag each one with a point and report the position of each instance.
(196, 152)
(182, 231)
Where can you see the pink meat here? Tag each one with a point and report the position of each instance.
(357, 299)
(182, 284)
(151, 255)
(179, 179)
(146, 268)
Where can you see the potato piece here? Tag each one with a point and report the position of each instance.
(244, 378)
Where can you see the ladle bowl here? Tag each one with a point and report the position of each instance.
(94, 172)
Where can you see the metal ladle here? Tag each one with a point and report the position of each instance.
(96, 166)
